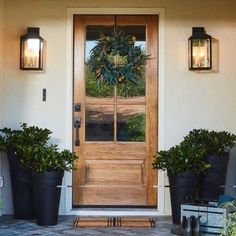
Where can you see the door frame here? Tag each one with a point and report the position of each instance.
(66, 198)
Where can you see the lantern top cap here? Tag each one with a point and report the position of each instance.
(198, 30)
(33, 30)
(199, 33)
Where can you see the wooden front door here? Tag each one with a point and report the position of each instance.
(118, 132)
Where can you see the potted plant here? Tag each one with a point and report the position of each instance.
(21, 179)
(230, 221)
(48, 165)
(230, 228)
(217, 145)
(183, 163)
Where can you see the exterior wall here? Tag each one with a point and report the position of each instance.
(192, 100)
(1, 78)
(1, 62)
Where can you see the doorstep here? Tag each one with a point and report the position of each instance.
(114, 212)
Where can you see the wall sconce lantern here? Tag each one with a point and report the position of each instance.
(200, 50)
(31, 50)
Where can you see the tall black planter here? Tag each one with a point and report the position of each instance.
(47, 196)
(182, 186)
(214, 178)
(22, 189)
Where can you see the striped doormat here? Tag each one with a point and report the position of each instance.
(114, 222)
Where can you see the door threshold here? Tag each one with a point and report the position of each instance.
(115, 212)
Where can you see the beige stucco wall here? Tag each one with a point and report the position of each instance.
(1, 57)
(192, 100)
(1, 78)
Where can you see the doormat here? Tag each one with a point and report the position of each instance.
(144, 222)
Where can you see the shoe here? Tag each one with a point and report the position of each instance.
(183, 223)
(196, 227)
(188, 230)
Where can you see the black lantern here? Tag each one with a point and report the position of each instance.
(200, 50)
(31, 50)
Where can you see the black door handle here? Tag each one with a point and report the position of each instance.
(77, 124)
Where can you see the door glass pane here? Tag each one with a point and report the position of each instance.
(131, 124)
(93, 32)
(131, 89)
(99, 123)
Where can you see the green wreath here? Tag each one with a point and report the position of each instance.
(116, 59)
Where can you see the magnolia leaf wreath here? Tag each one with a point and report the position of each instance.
(115, 59)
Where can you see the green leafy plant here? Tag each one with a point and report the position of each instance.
(214, 142)
(230, 229)
(10, 139)
(30, 144)
(190, 153)
(181, 158)
(136, 128)
(42, 158)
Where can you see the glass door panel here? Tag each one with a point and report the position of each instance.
(94, 32)
(131, 123)
(99, 123)
(114, 113)
(131, 90)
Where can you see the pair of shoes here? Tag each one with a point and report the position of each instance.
(188, 227)
(191, 226)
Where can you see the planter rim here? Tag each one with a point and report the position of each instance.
(48, 173)
(187, 172)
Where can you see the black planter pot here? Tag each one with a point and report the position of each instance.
(214, 178)
(182, 187)
(47, 196)
(22, 189)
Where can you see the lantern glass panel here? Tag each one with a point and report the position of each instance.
(32, 53)
(201, 53)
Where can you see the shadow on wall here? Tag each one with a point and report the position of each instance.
(231, 175)
(215, 55)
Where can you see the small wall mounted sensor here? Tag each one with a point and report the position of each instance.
(44, 95)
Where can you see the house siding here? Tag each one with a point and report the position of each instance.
(192, 100)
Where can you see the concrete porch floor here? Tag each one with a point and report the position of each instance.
(11, 227)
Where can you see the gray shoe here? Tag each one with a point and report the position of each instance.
(188, 230)
(196, 227)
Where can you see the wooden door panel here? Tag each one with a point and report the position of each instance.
(90, 194)
(102, 151)
(115, 171)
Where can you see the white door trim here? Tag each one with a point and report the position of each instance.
(66, 200)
